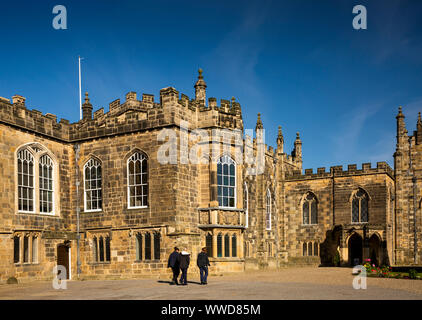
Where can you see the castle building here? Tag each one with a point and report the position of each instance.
(108, 196)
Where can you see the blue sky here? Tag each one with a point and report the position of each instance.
(299, 63)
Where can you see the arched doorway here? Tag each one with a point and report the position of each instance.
(355, 249)
(374, 249)
(63, 257)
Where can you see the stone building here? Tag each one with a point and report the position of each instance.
(111, 192)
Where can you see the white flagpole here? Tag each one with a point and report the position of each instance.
(80, 93)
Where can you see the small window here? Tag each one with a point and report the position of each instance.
(16, 249)
(316, 249)
(139, 247)
(107, 244)
(234, 245)
(305, 249)
(147, 246)
(25, 249)
(219, 245)
(95, 248)
(34, 249)
(156, 246)
(310, 249)
(208, 243)
(227, 245)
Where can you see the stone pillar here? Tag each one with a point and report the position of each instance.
(214, 245)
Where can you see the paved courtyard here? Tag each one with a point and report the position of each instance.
(297, 283)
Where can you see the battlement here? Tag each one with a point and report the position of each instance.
(337, 171)
(124, 117)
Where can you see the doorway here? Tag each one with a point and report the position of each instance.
(355, 250)
(63, 258)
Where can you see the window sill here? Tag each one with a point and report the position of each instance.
(90, 211)
(38, 213)
(309, 225)
(147, 261)
(131, 208)
(99, 263)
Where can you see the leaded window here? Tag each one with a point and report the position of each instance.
(310, 209)
(226, 182)
(25, 181)
(360, 207)
(219, 245)
(208, 243)
(305, 250)
(268, 211)
(46, 184)
(101, 248)
(310, 249)
(234, 245)
(137, 167)
(147, 246)
(156, 246)
(16, 249)
(227, 245)
(139, 247)
(93, 185)
(316, 249)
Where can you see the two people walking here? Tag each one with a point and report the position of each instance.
(180, 262)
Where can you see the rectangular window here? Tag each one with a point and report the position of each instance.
(25, 249)
(156, 246)
(16, 249)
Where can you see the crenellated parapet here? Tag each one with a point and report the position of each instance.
(130, 115)
(337, 171)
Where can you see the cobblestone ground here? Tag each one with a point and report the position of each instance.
(298, 283)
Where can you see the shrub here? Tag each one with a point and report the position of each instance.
(412, 273)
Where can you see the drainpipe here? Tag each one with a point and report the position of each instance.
(78, 236)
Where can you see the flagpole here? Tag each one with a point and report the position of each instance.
(80, 93)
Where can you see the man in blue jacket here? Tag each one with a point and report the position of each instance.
(174, 264)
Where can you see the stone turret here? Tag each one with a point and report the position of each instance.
(401, 128)
(200, 88)
(418, 132)
(297, 151)
(280, 141)
(259, 124)
(86, 108)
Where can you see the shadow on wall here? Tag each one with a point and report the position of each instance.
(328, 248)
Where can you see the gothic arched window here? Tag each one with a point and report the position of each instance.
(226, 182)
(137, 171)
(360, 207)
(46, 184)
(93, 185)
(234, 245)
(219, 245)
(310, 209)
(25, 181)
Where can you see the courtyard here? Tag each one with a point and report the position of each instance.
(289, 283)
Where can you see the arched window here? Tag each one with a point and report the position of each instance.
(95, 248)
(310, 249)
(107, 251)
(101, 248)
(137, 169)
(147, 246)
(208, 244)
(25, 181)
(268, 211)
(310, 209)
(93, 185)
(226, 182)
(156, 246)
(219, 245)
(34, 249)
(360, 207)
(16, 249)
(46, 184)
(246, 204)
(305, 249)
(227, 245)
(316, 249)
(234, 245)
(139, 247)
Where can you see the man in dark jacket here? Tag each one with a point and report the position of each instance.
(184, 265)
(203, 263)
(174, 264)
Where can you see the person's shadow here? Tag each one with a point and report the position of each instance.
(170, 282)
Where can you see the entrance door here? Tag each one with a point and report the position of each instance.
(63, 257)
(355, 250)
